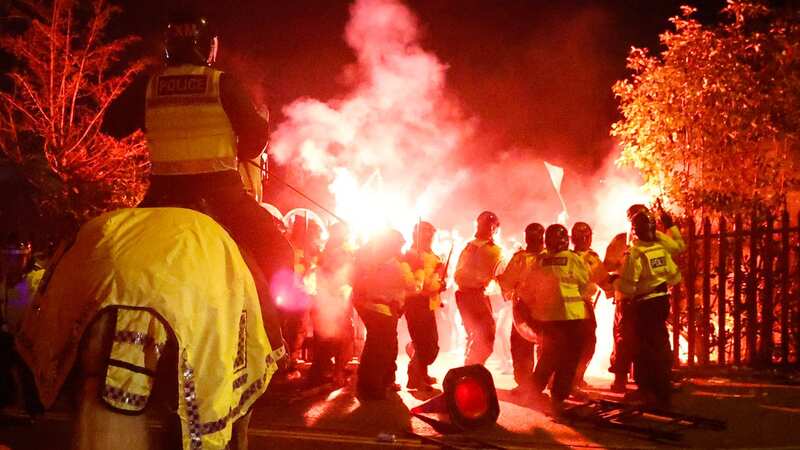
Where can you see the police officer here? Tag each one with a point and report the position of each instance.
(382, 282)
(647, 272)
(421, 308)
(512, 282)
(476, 267)
(332, 311)
(581, 236)
(559, 282)
(621, 356)
(199, 122)
(306, 238)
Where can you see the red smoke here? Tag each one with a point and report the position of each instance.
(393, 148)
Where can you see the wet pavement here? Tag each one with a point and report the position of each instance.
(759, 414)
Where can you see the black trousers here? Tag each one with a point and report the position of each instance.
(330, 344)
(376, 370)
(422, 328)
(589, 345)
(622, 353)
(294, 325)
(653, 354)
(522, 357)
(561, 345)
(476, 313)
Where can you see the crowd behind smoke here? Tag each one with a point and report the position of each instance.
(391, 150)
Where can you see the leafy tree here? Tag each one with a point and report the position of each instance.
(712, 121)
(67, 72)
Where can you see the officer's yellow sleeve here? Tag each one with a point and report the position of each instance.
(434, 283)
(410, 283)
(419, 276)
(510, 277)
(496, 255)
(674, 273)
(461, 268)
(630, 272)
(580, 273)
(672, 242)
(431, 280)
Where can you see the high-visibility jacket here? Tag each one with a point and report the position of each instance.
(647, 270)
(477, 264)
(515, 276)
(170, 264)
(187, 129)
(427, 268)
(672, 240)
(383, 286)
(615, 252)
(557, 287)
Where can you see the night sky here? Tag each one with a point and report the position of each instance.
(536, 75)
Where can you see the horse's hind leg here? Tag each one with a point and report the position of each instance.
(98, 427)
(239, 433)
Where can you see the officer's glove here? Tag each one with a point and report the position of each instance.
(285, 361)
(666, 219)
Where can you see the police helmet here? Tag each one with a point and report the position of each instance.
(581, 236)
(189, 39)
(636, 209)
(488, 218)
(556, 238)
(644, 226)
(534, 236)
(424, 228)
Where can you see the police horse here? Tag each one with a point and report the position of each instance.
(150, 315)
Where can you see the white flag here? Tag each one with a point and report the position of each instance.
(556, 177)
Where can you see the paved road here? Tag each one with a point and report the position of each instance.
(759, 415)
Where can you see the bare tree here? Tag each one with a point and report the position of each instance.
(67, 74)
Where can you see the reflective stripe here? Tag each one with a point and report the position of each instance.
(182, 101)
(14, 251)
(569, 290)
(135, 350)
(574, 309)
(274, 356)
(378, 308)
(193, 166)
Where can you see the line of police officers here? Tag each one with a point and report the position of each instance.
(553, 290)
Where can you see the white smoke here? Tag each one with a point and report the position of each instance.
(396, 122)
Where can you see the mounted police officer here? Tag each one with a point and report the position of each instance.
(199, 123)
